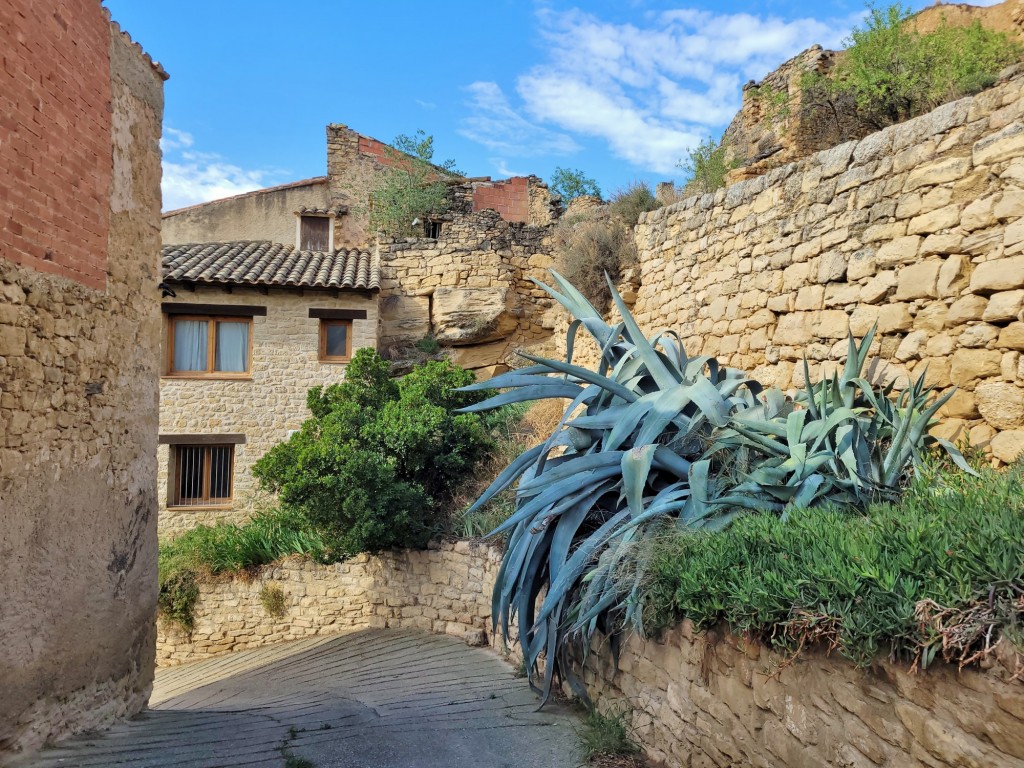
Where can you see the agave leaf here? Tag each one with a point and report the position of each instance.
(524, 394)
(636, 466)
(655, 365)
(507, 476)
(588, 376)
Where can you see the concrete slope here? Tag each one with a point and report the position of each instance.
(370, 699)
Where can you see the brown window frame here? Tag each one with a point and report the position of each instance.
(211, 348)
(325, 323)
(204, 500)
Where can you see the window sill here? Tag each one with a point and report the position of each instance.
(200, 508)
(335, 361)
(208, 377)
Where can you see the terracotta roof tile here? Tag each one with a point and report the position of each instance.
(249, 262)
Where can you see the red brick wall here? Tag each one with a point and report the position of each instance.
(510, 198)
(55, 137)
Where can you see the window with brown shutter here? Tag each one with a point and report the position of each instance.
(315, 233)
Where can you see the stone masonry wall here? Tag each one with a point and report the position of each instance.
(917, 227)
(471, 288)
(285, 364)
(78, 377)
(698, 699)
(445, 590)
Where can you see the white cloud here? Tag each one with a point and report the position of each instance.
(650, 90)
(191, 177)
(494, 124)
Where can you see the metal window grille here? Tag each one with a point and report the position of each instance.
(204, 475)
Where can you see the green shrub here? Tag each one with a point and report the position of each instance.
(655, 437)
(627, 204)
(890, 72)
(571, 183)
(412, 189)
(706, 167)
(939, 573)
(376, 464)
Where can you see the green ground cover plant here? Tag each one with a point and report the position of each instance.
(655, 438)
(609, 734)
(940, 574)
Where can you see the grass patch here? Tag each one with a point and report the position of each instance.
(272, 598)
(294, 761)
(209, 550)
(940, 574)
(607, 734)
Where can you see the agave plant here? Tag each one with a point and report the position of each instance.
(655, 437)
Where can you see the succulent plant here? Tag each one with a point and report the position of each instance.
(654, 437)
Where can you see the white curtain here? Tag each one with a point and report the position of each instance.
(232, 347)
(190, 340)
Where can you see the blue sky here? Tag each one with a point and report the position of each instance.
(618, 88)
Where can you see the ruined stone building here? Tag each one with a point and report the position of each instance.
(270, 292)
(79, 317)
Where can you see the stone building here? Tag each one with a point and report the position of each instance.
(248, 328)
(79, 317)
(283, 269)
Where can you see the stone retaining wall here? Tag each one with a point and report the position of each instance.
(917, 227)
(446, 590)
(698, 699)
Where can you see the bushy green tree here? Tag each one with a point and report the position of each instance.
(706, 166)
(571, 183)
(373, 467)
(412, 189)
(891, 72)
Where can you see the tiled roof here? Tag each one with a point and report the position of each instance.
(248, 262)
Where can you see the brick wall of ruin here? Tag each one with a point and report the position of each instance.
(917, 227)
(80, 160)
(696, 698)
(265, 407)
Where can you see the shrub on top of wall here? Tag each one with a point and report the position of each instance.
(939, 575)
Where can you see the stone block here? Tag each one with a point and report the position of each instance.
(913, 346)
(794, 329)
(862, 318)
(970, 365)
(1012, 337)
(945, 243)
(918, 281)
(954, 275)
(404, 319)
(810, 297)
(961, 405)
(877, 288)
(479, 355)
(1004, 274)
(1003, 306)
(937, 172)
(965, 309)
(977, 335)
(978, 215)
(474, 315)
(841, 294)
(894, 317)
(833, 324)
(831, 266)
(1008, 446)
(1001, 404)
(1007, 144)
(902, 250)
(861, 264)
(934, 221)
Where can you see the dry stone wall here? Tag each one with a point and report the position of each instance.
(471, 288)
(697, 698)
(917, 228)
(445, 590)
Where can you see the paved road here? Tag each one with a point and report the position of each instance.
(370, 699)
